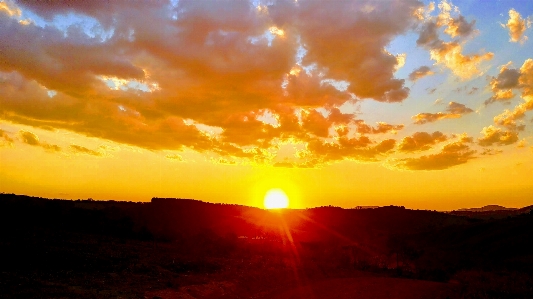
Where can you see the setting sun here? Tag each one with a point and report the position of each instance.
(276, 199)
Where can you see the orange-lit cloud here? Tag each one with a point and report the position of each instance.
(451, 154)
(421, 141)
(511, 118)
(459, 26)
(503, 84)
(420, 72)
(232, 80)
(493, 135)
(454, 110)
(348, 148)
(166, 72)
(10, 9)
(381, 128)
(517, 27)
(450, 53)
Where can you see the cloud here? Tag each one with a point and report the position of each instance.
(175, 157)
(507, 79)
(452, 154)
(83, 150)
(449, 53)
(420, 72)
(421, 141)
(283, 164)
(29, 138)
(5, 139)
(522, 143)
(315, 123)
(472, 90)
(220, 70)
(423, 118)
(32, 139)
(460, 27)
(490, 152)
(10, 9)
(355, 37)
(454, 110)
(511, 118)
(222, 77)
(223, 161)
(464, 66)
(381, 128)
(517, 27)
(348, 149)
(493, 135)
(503, 84)
(500, 96)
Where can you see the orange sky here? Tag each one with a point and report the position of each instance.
(347, 103)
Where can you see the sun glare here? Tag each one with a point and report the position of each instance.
(276, 199)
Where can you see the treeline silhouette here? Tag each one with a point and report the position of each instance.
(84, 239)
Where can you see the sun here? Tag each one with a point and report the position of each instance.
(276, 199)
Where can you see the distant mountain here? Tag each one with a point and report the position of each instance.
(488, 208)
(491, 211)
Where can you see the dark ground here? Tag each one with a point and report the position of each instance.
(190, 249)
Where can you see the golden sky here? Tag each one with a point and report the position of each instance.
(346, 103)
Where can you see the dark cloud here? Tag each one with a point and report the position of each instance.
(428, 36)
(507, 78)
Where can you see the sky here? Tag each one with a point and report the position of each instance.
(425, 105)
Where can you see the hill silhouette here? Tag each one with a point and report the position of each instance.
(491, 211)
(87, 249)
(487, 208)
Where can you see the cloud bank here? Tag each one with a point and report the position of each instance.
(238, 78)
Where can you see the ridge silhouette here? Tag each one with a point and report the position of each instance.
(87, 248)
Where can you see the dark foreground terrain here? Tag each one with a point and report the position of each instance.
(176, 248)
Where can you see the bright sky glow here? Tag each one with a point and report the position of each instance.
(421, 104)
